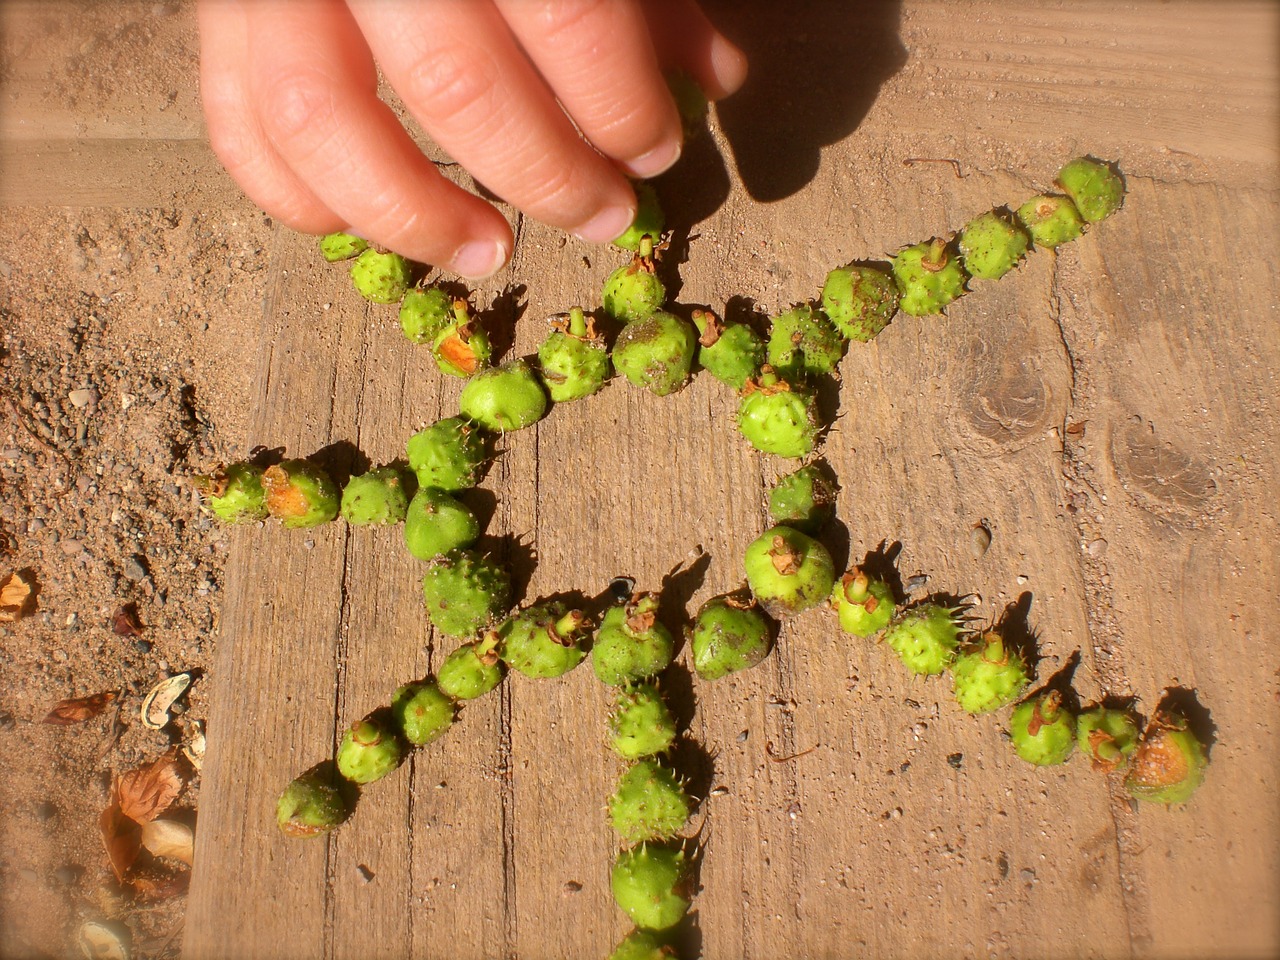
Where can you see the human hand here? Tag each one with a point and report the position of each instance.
(550, 104)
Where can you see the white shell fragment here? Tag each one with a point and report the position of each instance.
(102, 941)
(157, 703)
(169, 838)
(193, 746)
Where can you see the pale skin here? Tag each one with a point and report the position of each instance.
(551, 104)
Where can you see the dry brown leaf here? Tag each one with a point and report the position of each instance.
(79, 709)
(122, 837)
(154, 883)
(146, 792)
(16, 595)
(169, 838)
(125, 621)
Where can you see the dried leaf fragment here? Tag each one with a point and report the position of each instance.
(122, 838)
(157, 703)
(169, 838)
(154, 883)
(17, 596)
(193, 746)
(79, 709)
(125, 621)
(146, 792)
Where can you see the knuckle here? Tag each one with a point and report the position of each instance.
(295, 104)
(569, 23)
(449, 80)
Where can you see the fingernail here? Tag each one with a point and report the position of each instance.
(654, 162)
(609, 223)
(729, 64)
(478, 259)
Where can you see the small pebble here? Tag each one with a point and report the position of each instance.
(83, 397)
(135, 568)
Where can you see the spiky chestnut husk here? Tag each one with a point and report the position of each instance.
(311, 805)
(463, 592)
(632, 292)
(732, 353)
(1106, 736)
(381, 277)
(656, 352)
(804, 499)
(859, 300)
(504, 398)
(929, 277)
(423, 712)
(573, 361)
(436, 523)
(423, 313)
(991, 245)
(987, 674)
(729, 634)
(461, 346)
(926, 637)
(631, 644)
(1051, 220)
(788, 571)
(376, 497)
(646, 883)
(370, 749)
(864, 604)
(234, 493)
(1095, 187)
(641, 724)
(803, 343)
(544, 640)
(1043, 730)
(300, 493)
(641, 945)
(777, 417)
(472, 669)
(650, 803)
(649, 220)
(1168, 765)
(342, 246)
(449, 455)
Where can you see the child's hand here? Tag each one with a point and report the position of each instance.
(289, 94)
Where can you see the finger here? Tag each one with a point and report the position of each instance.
(597, 57)
(686, 40)
(236, 136)
(461, 73)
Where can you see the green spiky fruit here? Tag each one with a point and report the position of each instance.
(436, 523)
(424, 311)
(448, 455)
(631, 644)
(1106, 736)
(423, 712)
(732, 353)
(300, 493)
(632, 292)
(691, 102)
(504, 398)
(544, 640)
(573, 360)
(804, 499)
(641, 724)
(1051, 220)
(461, 346)
(777, 417)
(381, 277)
(1168, 766)
(929, 277)
(648, 222)
(656, 353)
(991, 245)
(464, 592)
(234, 493)
(1095, 187)
(864, 604)
(789, 572)
(803, 343)
(647, 886)
(926, 637)
(342, 246)
(376, 497)
(1043, 730)
(729, 634)
(311, 805)
(642, 945)
(370, 749)
(471, 670)
(988, 674)
(650, 803)
(859, 300)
